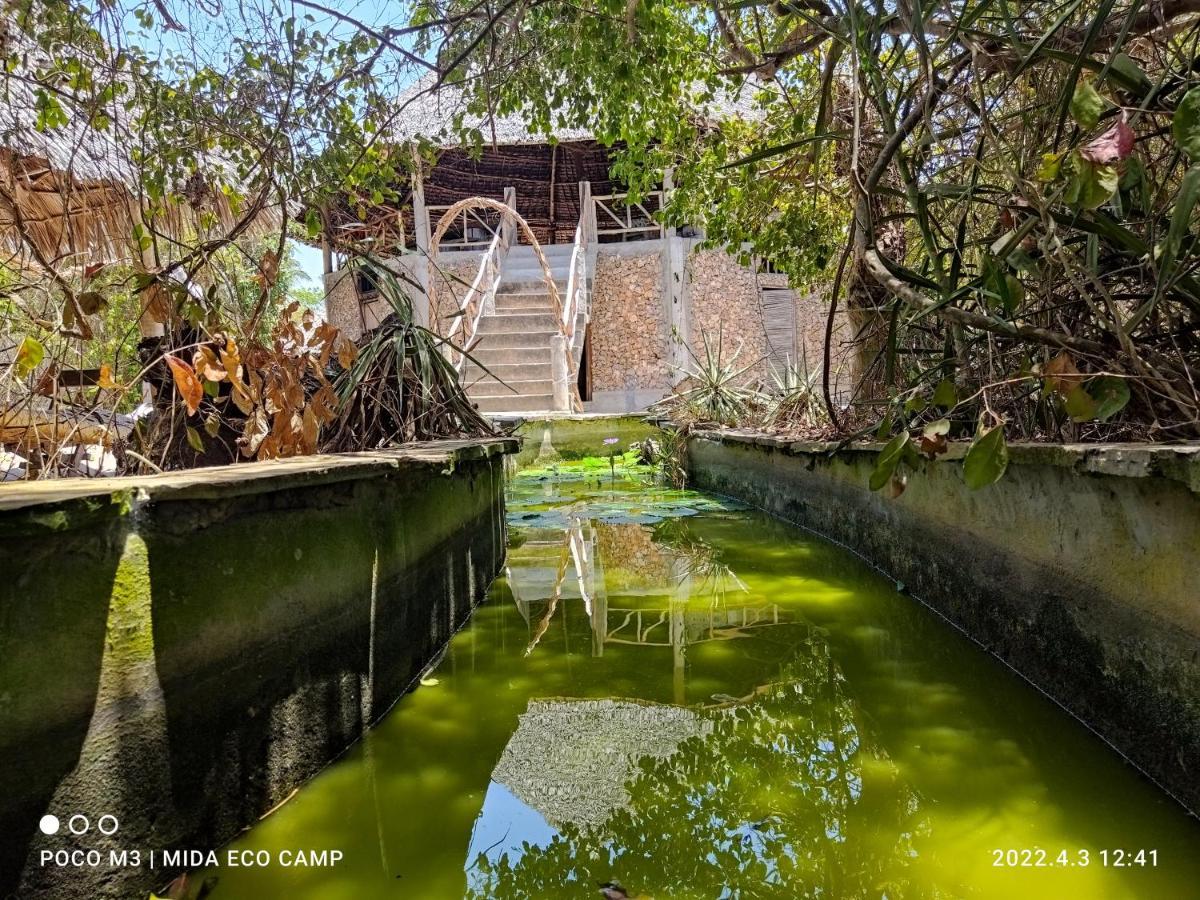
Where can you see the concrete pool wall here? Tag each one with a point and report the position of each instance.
(181, 652)
(1080, 567)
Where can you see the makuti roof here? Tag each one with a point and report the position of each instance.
(428, 110)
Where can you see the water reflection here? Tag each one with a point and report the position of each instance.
(684, 696)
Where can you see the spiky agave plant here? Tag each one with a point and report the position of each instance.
(718, 394)
(794, 400)
(401, 387)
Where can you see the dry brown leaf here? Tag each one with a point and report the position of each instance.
(268, 271)
(105, 380)
(1061, 373)
(207, 364)
(254, 433)
(310, 431)
(347, 352)
(324, 404)
(186, 382)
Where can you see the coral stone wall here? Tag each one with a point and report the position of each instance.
(724, 300)
(453, 278)
(629, 333)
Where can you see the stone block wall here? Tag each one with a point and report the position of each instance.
(723, 302)
(453, 278)
(629, 331)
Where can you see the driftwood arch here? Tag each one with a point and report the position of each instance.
(504, 209)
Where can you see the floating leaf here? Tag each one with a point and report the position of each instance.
(889, 458)
(29, 356)
(186, 382)
(194, 440)
(986, 459)
(212, 424)
(1111, 395)
(1087, 105)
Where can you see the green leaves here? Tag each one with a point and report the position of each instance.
(1185, 125)
(986, 459)
(29, 356)
(1104, 397)
(1111, 395)
(887, 472)
(945, 394)
(1001, 285)
(1090, 184)
(1087, 105)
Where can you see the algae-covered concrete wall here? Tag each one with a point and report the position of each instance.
(180, 652)
(1079, 567)
(577, 436)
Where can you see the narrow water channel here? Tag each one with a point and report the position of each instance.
(695, 700)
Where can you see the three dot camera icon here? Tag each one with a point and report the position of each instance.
(79, 824)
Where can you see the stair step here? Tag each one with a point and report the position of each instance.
(527, 322)
(515, 388)
(524, 251)
(513, 340)
(534, 301)
(514, 403)
(508, 372)
(543, 309)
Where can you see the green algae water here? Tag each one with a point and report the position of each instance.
(687, 697)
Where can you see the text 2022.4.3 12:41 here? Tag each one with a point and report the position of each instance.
(1038, 857)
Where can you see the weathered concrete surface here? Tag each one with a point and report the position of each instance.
(576, 436)
(182, 651)
(1079, 568)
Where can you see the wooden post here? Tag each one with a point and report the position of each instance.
(421, 311)
(553, 164)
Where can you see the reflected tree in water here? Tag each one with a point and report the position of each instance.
(775, 791)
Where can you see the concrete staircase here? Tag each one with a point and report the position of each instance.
(514, 342)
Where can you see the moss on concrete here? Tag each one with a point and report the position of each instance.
(1078, 567)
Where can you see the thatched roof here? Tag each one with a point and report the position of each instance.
(429, 113)
(570, 759)
(73, 188)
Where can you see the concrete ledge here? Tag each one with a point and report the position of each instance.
(1079, 568)
(182, 651)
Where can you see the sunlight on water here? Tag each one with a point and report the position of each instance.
(697, 701)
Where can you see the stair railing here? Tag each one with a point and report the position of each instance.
(481, 296)
(578, 297)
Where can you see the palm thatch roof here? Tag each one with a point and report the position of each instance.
(429, 111)
(571, 759)
(73, 189)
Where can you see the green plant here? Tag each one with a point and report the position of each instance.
(402, 387)
(795, 399)
(718, 393)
